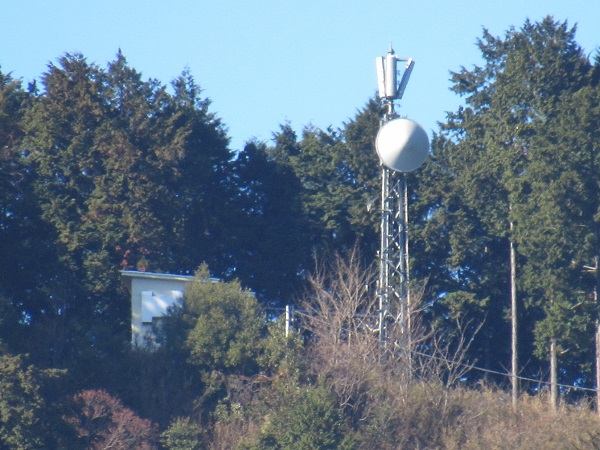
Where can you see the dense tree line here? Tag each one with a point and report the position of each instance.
(517, 165)
(101, 170)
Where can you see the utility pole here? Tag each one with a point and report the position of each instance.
(289, 318)
(514, 347)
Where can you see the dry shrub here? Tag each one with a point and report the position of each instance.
(408, 418)
(102, 422)
(240, 418)
(489, 421)
(233, 432)
(473, 419)
(406, 393)
(340, 314)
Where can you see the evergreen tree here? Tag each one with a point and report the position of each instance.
(463, 266)
(30, 413)
(203, 182)
(61, 130)
(270, 240)
(558, 222)
(338, 173)
(483, 159)
(364, 175)
(543, 212)
(25, 253)
(124, 172)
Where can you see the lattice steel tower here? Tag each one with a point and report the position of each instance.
(402, 146)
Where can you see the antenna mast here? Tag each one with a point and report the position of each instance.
(402, 146)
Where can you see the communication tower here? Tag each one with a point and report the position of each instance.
(402, 146)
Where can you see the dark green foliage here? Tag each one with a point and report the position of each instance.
(101, 170)
(559, 231)
(26, 255)
(305, 196)
(554, 196)
(202, 184)
(10, 328)
(500, 161)
(324, 198)
(305, 418)
(159, 384)
(28, 419)
(337, 172)
(182, 435)
(122, 168)
(270, 246)
(364, 170)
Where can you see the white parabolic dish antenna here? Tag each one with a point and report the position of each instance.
(402, 145)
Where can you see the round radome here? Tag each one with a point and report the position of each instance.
(402, 145)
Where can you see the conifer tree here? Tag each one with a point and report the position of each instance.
(25, 253)
(489, 148)
(559, 225)
(270, 241)
(202, 181)
(129, 176)
(61, 129)
(339, 175)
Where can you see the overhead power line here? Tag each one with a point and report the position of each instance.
(507, 375)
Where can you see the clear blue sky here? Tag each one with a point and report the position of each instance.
(265, 62)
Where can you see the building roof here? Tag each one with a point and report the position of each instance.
(156, 276)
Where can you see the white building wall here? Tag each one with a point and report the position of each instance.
(151, 296)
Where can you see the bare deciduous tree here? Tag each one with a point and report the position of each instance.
(341, 313)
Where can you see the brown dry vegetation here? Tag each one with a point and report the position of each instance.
(433, 416)
(336, 385)
(488, 421)
(390, 400)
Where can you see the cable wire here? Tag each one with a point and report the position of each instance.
(495, 372)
